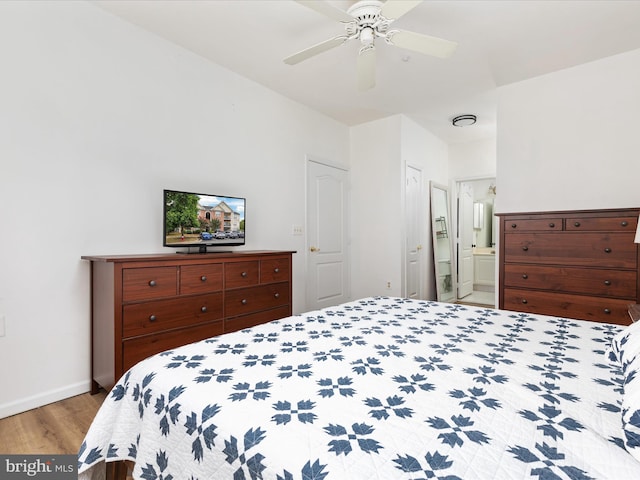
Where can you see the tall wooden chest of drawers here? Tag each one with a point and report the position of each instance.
(576, 264)
(144, 304)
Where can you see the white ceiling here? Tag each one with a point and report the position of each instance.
(500, 42)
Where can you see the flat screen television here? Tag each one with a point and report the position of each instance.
(202, 220)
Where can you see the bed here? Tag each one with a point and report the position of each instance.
(382, 388)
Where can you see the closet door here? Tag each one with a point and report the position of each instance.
(414, 226)
(327, 250)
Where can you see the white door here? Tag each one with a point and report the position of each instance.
(465, 240)
(414, 223)
(327, 234)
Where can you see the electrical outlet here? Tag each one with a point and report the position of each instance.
(297, 230)
(388, 285)
(2, 327)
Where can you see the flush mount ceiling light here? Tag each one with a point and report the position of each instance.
(463, 120)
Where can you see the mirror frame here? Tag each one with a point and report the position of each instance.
(442, 295)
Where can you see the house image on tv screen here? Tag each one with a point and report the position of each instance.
(227, 219)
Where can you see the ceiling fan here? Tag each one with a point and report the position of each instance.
(367, 20)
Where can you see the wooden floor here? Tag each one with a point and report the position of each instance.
(58, 428)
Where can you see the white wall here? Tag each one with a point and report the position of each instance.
(97, 117)
(380, 151)
(472, 159)
(571, 139)
(375, 199)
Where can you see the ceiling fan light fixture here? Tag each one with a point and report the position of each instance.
(367, 36)
(464, 120)
(366, 21)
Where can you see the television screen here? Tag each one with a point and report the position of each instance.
(201, 220)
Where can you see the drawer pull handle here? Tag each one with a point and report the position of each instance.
(552, 225)
(607, 311)
(243, 301)
(203, 309)
(152, 318)
(607, 282)
(243, 274)
(525, 248)
(276, 295)
(576, 224)
(513, 225)
(203, 278)
(276, 270)
(624, 223)
(152, 283)
(525, 276)
(607, 250)
(524, 300)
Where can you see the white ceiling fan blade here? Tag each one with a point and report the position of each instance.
(367, 68)
(315, 50)
(393, 9)
(327, 9)
(417, 42)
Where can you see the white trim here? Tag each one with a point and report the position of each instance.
(455, 197)
(322, 161)
(44, 398)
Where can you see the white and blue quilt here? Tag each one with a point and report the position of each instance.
(379, 388)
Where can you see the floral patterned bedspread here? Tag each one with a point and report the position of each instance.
(379, 388)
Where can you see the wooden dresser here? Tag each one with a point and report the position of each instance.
(145, 304)
(576, 264)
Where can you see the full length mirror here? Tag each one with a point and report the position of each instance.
(442, 243)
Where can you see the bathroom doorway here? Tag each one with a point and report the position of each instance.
(476, 241)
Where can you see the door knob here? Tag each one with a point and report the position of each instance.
(314, 249)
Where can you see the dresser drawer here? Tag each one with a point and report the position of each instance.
(612, 250)
(201, 278)
(148, 283)
(253, 319)
(274, 270)
(139, 348)
(601, 282)
(254, 299)
(583, 307)
(241, 274)
(160, 315)
(611, 224)
(532, 225)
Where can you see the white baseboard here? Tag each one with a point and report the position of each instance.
(484, 288)
(44, 398)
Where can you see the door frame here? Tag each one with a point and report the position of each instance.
(464, 251)
(454, 211)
